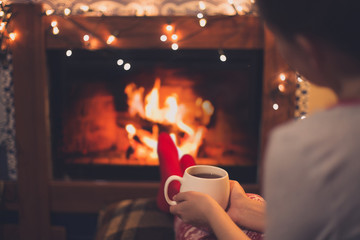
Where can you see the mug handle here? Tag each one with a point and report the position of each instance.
(168, 181)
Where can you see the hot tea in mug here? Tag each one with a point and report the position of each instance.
(207, 179)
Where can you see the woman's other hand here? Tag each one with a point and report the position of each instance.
(244, 211)
(201, 210)
(237, 201)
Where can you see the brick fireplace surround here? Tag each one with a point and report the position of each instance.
(38, 195)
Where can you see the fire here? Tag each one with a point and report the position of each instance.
(131, 130)
(135, 101)
(187, 135)
(152, 109)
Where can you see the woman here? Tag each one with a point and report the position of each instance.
(312, 166)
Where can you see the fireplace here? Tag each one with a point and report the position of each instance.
(40, 193)
(105, 117)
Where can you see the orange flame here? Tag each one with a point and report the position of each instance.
(152, 109)
(171, 114)
(135, 101)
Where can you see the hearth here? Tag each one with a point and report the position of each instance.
(107, 108)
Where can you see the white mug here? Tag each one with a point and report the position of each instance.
(207, 179)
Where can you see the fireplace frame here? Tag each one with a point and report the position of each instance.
(38, 194)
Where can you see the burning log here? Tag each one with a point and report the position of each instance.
(90, 124)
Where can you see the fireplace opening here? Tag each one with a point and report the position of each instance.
(107, 108)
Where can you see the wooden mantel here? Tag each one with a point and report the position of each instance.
(38, 193)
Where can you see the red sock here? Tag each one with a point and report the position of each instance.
(186, 161)
(169, 165)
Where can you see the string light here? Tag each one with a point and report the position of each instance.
(281, 87)
(239, 8)
(222, 56)
(202, 22)
(84, 8)
(68, 53)
(169, 27)
(5, 34)
(86, 37)
(54, 23)
(110, 39)
(56, 30)
(301, 97)
(202, 5)
(127, 66)
(49, 12)
(282, 77)
(174, 46)
(12, 36)
(174, 37)
(163, 38)
(67, 11)
(120, 62)
(275, 106)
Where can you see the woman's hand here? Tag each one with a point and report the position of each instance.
(201, 210)
(193, 208)
(245, 211)
(237, 201)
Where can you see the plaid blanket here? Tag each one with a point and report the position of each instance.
(135, 219)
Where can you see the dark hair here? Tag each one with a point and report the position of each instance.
(336, 22)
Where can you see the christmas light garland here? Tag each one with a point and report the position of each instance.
(6, 34)
(169, 35)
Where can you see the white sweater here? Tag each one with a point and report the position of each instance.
(312, 177)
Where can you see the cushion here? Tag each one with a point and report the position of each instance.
(134, 219)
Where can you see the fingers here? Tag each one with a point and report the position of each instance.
(179, 198)
(183, 199)
(184, 196)
(232, 183)
(235, 186)
(174, 210)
